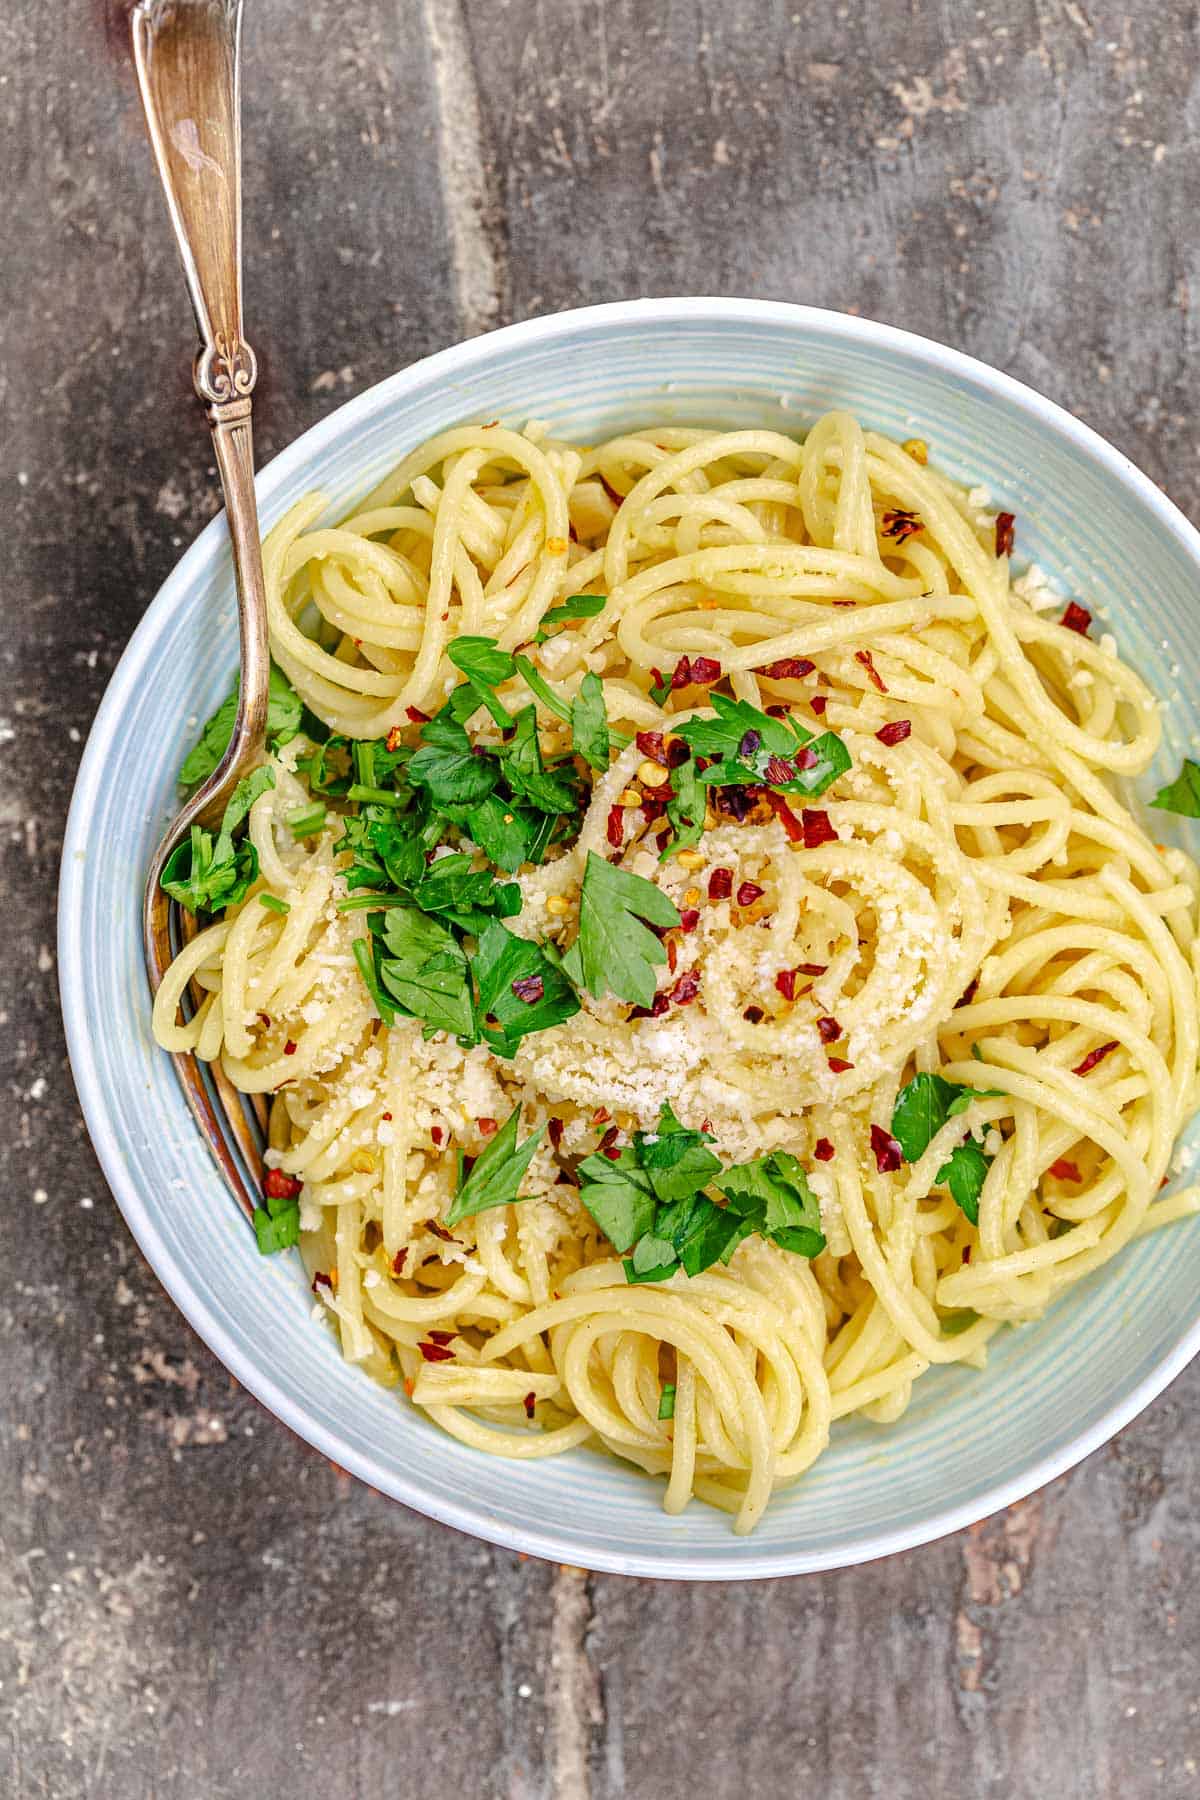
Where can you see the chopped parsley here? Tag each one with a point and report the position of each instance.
(497, 1172)
(685, 809)
(922, 1107)
(575, 606)
(752, 748)
(424, 969)
(589, 724)
(666, 1401)
(1183, 794)
(616, 952)
(206, 874)
(277, 1224)
(520, 989)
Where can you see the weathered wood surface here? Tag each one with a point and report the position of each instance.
(191, 1603)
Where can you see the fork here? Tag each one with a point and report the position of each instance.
(187, 54)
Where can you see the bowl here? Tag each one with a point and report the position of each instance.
(970, 1442)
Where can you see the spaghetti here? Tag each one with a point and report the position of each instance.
(959, 988)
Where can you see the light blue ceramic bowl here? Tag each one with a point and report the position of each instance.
(970, 1443)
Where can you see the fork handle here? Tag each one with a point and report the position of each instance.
(187, 54)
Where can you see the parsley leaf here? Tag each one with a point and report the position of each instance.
(615, 952)
(964, 1175)
(502, 960)
(277, 1225)
(485, 665)
(685, 809)
(589, 723)
(619, 1197)
(284, 711)
(468, 897)
(506, 833)
(1183, 794)
(751, 747)
(497, 1173)
(576, 606)
(773, 1196)
(527, 774)
(204, 875)
(448, 768)
(537, 684)
(666, 1401)
(922, 1107)
(424, 970)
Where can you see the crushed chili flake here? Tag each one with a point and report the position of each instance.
(705, 670)
(394, 739)
(754, 1014)
(609, 1138)
(1063, 1170)
(385, 1115)
(969, 992)
(487, 1127)
(686, 988)
(785, 981)
(966, 1255)
(788, 668)
(436, 1133)
(748, 893)
(818, 704)
(1077, 618)
(777, 712)
(435, 1352)
(779, 770)
(442, 1337)
(672, 954)
(1006, 526)
(289, 1049)
(554, 1131)
(828, 1030)
(787, 818)
(529, 988)
(1093, 1057)
(681, 674)
(720, 884)
(865, 658)
(823, 1150)
(321, 1279)
(689, 918)
(811, 968)
(601, 1116)
(529, 1402)
(734, 800)
(888, 1154)
(654, 803)
(279, 1186)
(838, 1064)
(399, 1260)
(417, 716)
(899, 524)
(650, 743)
(655, 1010)
(616, 827)
(656, 677)
(439, 1230)
(817, 829)
(895, 733)
(678, 752)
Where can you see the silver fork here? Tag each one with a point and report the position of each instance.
(187, 54)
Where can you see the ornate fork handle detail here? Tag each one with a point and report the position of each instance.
(225, 371)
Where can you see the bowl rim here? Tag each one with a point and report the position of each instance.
(744, 1561)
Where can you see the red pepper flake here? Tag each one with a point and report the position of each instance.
(650, 743)
(601, 1116)
(417, 716)
(787, 818)
(778, 770)
(616, 827)
(554, 1131)
(754, 1015)
(969, 992)
(1093, 1057)
(609, 1139)
(655, 1010)
(437, 1134)
(966, 1255)
(279, 1186)
(828, 1030)
(487, 1127)
(672, 954)
(1077, 618)
(823, 1150)
(888, 1154)
(720, 884)
(705, 670)
(289, 1049)
(689, 918)
(442, 1337)
(265, 1018)
(439, 1231)
(845, 603)
(895, 733)
(529, 1402)
(321, 1279)
(686, 988)
(749, 892)
(529, 988)
(394, 739)
(785, 981)
(399, 1260)
(1006, 527)
(818, 703)
(900, 524)
(654, 803)
(788, 668)
(777, 712)
(838, 1064)
(385, 1115)
(656, 677)
(435, 1352)
(678, 753)
(1063, 1170)
(811, 968)
(681, 674)
(817, 829)
(873, 675)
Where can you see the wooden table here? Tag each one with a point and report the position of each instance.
(192, 1604)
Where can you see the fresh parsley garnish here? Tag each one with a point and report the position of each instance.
(207, 874)
(589, 723)
(284, 713)
(1183, 794)
(651, 1202)
(497, 1173)
(449, 768)
(575, 606)
(922, 1107)
(666, 1401)
(485, 665)
(277, 1225)
(526, 772)
(749, 747)
(616, 952)
(520, 988)
(423, 968)
(686, 808)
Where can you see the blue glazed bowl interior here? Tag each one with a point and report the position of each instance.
(970, 1442)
